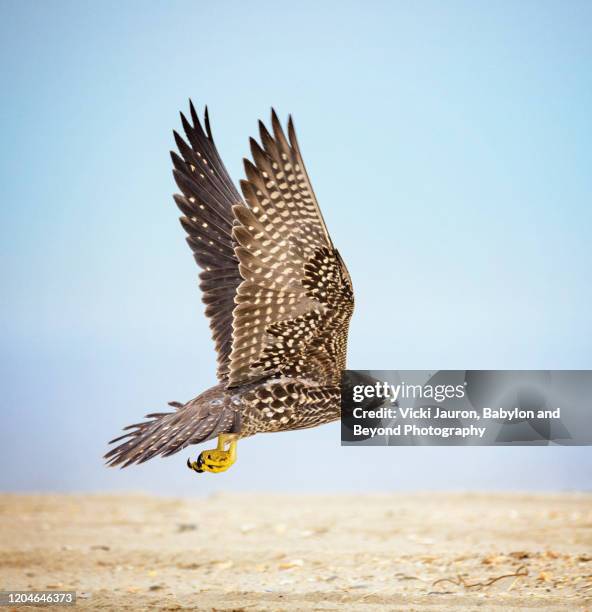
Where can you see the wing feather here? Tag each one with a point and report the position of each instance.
(295, 301)
(206, 201)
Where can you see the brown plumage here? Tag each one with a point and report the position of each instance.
(277, 293)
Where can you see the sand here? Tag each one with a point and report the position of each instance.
(266, 552)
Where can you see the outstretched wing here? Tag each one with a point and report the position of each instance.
(208, 196)
(295, 302)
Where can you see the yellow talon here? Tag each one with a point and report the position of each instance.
(218, 459)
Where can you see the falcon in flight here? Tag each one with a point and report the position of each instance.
(277, 293)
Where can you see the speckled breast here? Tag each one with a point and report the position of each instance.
(282, 405)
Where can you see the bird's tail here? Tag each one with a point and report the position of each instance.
(165, 433)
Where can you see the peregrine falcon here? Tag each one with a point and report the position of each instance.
(277, 293)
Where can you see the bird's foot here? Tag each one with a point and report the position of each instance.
(211, 461)
(218, 459)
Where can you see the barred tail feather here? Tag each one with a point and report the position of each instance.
(165, 433)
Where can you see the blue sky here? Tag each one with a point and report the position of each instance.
(449, 146)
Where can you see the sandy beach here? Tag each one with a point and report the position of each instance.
(273, 552)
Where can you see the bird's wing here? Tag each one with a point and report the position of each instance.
(296, 299)
(208, 196)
